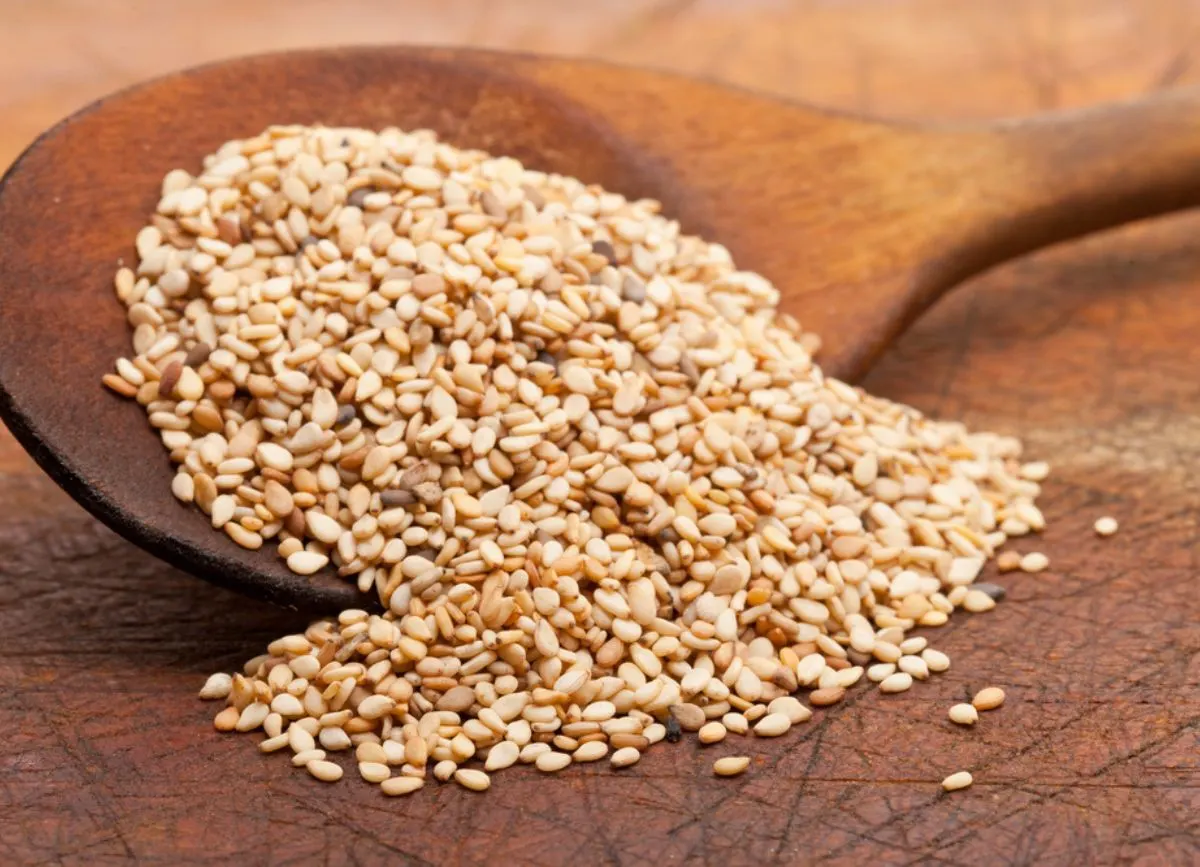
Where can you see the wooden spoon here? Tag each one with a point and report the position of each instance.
(861, 224)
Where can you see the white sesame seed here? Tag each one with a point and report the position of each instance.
(592, 751)
(1035, 562)
(625, 757)
(731, 766)
(476, 781)
(964, 714)
(217, 686)
(935, 660)
(326, 772)
(956, 781)
(1105, 526)
(552, 762)
(772, 725)
(898, 682)
(396, 786)
(374, 772)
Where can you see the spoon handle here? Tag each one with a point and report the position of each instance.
(1041, 180)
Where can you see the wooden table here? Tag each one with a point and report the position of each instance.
(1089, 352)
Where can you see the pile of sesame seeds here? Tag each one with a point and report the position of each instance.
(599, 487)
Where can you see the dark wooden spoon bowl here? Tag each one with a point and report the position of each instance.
(861, 224)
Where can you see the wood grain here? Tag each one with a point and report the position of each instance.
(1088, 352)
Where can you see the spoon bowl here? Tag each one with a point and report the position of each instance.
(861, 224)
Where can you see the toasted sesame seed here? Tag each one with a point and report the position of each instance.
(956, 781)
(689, 716)
(711, 733)
(989, 698)
(826, 696)
(1008, 561)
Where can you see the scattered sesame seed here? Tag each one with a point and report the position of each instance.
(599, 487)
(989, 698)
(1105, 526)
(217, 686)
(957, 781)
(731, 766)
(964, 714)
(1035, 562)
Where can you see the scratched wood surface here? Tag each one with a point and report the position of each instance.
(1088, 352)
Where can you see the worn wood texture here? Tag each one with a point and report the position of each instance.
(1088, 352)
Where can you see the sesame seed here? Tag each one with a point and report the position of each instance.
(731, 766)
(712, 733)
(1105, 526)
(374, 772)
(957, 781)
(1035, 562)
(552, 762)
(898, 682)
(935, 660)
(597, 484)
(217, 686)
(592, 751)
(625, 757)
(476, 781)
(326, 772)
(396, 786)
(772, 725)
(964, 714)
(989, 698)
(1008, 561)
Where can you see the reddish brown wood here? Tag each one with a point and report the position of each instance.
(1088, 352)
(861, 224)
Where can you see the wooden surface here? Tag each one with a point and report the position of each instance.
(1088, 352)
